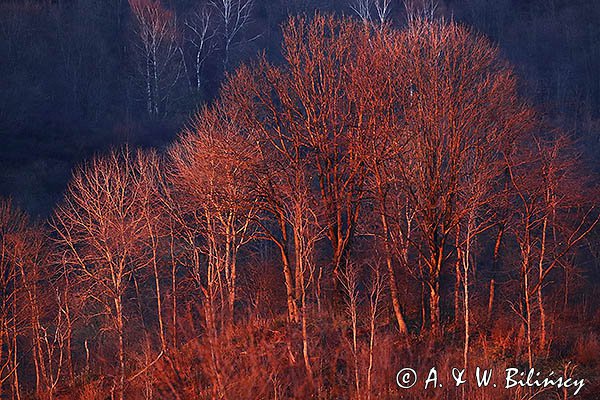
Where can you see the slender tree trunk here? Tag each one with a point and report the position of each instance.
(371, 346)
(528, 318)
(526, 298)
(38, 360)
(147, 352)
(302, 254)
(120, 333)
(38, 353)
(231, 266)
(466, 266)
(287, 272)
(318, 289)
(69, 332)
(434, 289)
(198, 75)
(289, 287)
(211, 326)
(349, 283)
(155, 93)
(305, 351)
(15, 361)
(424, 298)
(173, 287)
(492, 293)
(540, 299)
(149, 106)
(392, 279)
(434, 304)
(402, 328)
(354, 340)
(210, 294)
(161, 330)
(457, 277)
(495, 264)
(373, 305)
(566, 295)
(226, 58)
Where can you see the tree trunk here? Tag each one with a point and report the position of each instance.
(457, 278)
(155, 94)
(38, 360)
(173, 288)
(434, 306)
(490, 307)
(466, 266)
(210, 294)
(540, 299)
(392, 279)
(527, 305)
(287, 273)
(163, 340)
(424, 298)
(148, 350)
(402, 328)
(230, 262)
(495, 263)
(120, 333)
(15, 361)
(305, 352)
(148, 86)
(434, 289)
(67, 312)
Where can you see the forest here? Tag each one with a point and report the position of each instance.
(236, 199)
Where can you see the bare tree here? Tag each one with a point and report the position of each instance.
(286, 188)
(12, 224)
(156, 41)
(102, 230)
(455, 135)
(349, 280)
(23, 271)
(477, 193)
(362, 8)
(211, 171)
(234, 17)
(150, 179)
(375, 298)
(29, 258)
(377, 103)
(201, 36)
(569, 214)
(420, 9)
(213, 165)
(545, 184)
(317, 104)
(383, 7)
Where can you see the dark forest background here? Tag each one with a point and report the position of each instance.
(70, 85)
